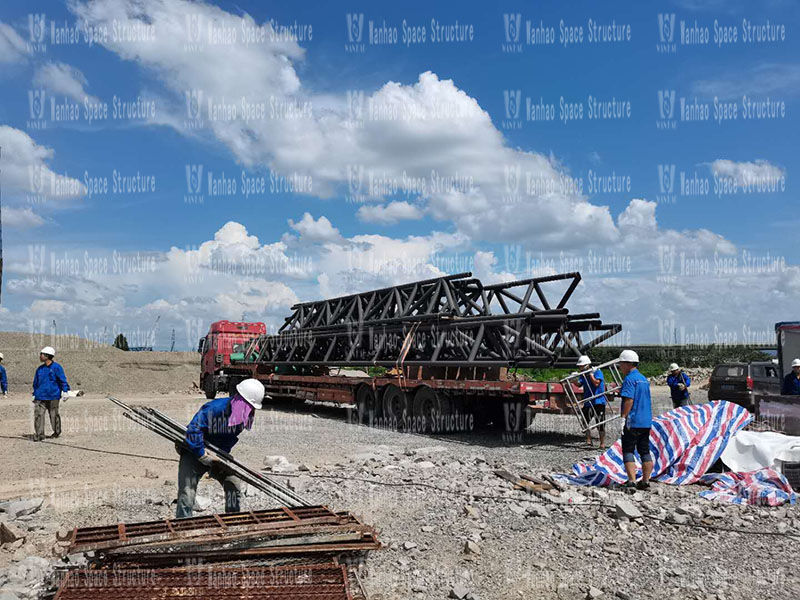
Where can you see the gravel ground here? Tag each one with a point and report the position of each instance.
(105, 469)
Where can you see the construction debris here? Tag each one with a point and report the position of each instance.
(281, 553)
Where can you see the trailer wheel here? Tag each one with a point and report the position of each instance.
(514, 415)
(210, 387)
(396, 406)
(429, 405)
(366, 408)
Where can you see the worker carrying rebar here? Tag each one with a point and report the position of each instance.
(49, 388)
(594, 405)
(218, 422)
(678, 383)
(637, 411)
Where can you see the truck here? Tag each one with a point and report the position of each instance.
(217, 373)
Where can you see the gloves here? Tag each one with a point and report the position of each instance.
(208, 459)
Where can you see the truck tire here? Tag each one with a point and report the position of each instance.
(396, 407)
(366, 409)
(210, 387)
(429, 405)
(514, 416)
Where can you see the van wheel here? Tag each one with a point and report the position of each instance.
(210, 387)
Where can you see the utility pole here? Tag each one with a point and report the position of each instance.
(172, 346)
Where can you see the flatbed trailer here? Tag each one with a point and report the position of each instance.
(422, 404)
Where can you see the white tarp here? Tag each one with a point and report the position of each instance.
(752, 450)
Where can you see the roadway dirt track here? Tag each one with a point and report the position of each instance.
(105, 469)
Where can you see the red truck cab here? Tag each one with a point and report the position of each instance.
(216, 373)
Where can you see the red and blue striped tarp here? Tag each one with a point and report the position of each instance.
(684, 442)
(764, 487)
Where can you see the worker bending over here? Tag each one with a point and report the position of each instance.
(218, 422)
(593, 384)
(791, 383)
(678, 383)
(638, 414)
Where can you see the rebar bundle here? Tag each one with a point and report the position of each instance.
(173, 431)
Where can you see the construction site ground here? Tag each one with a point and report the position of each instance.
(441, 538)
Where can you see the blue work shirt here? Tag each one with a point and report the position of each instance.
(674, 391)
(589, 390)
(3, 379)
(791, 385)
(636, 386)
(49, 382)
(210, 424)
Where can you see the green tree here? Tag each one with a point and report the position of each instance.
(120, 342)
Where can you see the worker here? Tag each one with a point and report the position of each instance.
(678, 383)
(791, 383)
(638, 414)
(49, 388)
(3, 378)
(218, 422)
(593, 383)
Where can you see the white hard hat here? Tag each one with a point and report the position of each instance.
(1, 356)
(674, 367)
(251, 390)
(629, 356)
(795, 362)
(584, 360)
(48, 350)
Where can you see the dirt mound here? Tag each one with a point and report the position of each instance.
(94, 367)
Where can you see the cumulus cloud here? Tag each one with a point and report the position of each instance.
(319, 230)
(60, 78)
(389, 214)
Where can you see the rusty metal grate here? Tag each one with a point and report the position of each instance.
(84, 539)
(297, 582)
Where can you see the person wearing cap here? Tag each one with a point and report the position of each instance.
(593, 384)
(638, 414)
(791, 383)
(678, 383)
(218, 422)
(49, 388)
(3, 378)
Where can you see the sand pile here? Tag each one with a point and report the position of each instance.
(99, 368)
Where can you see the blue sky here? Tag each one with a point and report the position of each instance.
(327, 74)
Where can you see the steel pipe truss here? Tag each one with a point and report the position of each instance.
(450, 321)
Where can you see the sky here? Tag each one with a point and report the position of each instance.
(182, 162)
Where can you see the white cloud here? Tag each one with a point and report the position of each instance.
(762, 80)
(21, 218)
(320, 230)
(60, 78)
(12, 47)
(26, 172)
(390, 213)
(747, 174)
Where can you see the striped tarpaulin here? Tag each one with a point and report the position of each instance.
(764, 487)
(684, 442)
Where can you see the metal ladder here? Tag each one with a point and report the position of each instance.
(577, 403)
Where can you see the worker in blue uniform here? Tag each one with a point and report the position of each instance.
(49, 388)
(678, 383)
(637, 410)
(791, 383)
(218, 422)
